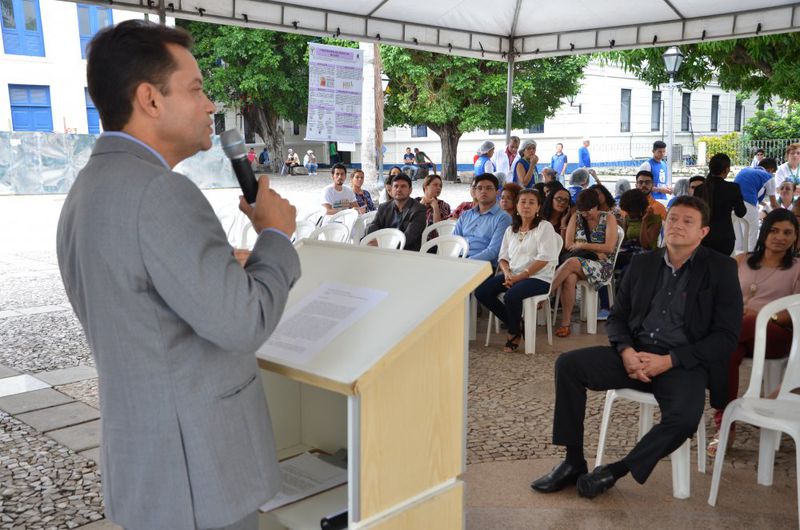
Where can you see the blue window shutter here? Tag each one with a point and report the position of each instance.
(22, 28)
(91, 19)
(30, 108)
(92, 116)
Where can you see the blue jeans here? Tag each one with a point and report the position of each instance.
(312, 168)
(510, 310)
(413, 169)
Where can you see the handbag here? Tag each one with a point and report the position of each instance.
(580, 253)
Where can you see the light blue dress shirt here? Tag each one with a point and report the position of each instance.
(483, 231)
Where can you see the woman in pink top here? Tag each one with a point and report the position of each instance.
(768, 273)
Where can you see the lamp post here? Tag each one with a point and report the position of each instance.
(381, 147)
(672, 61)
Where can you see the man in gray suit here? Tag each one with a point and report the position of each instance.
(171, 317)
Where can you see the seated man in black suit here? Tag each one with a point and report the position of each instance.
(673, 326)
(402, 212)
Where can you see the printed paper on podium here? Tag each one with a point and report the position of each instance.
(303, 476)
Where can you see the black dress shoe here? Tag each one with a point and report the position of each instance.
(593, 484)
(563, 475)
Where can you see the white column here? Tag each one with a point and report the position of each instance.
(368, 130)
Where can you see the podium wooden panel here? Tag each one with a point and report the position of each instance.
(391, 389)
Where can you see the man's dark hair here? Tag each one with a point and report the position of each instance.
(658, 144)
(634, 203)
(645, 173)
(760, 151)
(122, 57)
(402, 176)
(693, 202)
(769, 163)
(719, 163)
(697, 178)
(587, 201)
(338, 166)
(486, 176)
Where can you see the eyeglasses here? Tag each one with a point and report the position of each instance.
(485, 188)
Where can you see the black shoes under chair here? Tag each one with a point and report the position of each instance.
(590, 485)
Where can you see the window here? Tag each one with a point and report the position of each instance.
(30, 108)
(625, 111)
(535, 129)
(738, 116)
(92, 116)
(655, 112)
(419, 131)
(496, 132)
(714, 113)
(686, 111)
(91, 19)
(22, 28)
(219, 123)
(295, 129)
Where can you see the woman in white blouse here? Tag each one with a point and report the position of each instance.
(528, 258)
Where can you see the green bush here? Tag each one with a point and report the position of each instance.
(727, 143)
(767, 124)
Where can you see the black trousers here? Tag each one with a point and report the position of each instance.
(680, 393)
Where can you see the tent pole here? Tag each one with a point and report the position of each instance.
(508, 97)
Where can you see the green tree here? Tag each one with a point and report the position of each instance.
(767, 124)
(454, 95)
(263, 74)
(764, 66)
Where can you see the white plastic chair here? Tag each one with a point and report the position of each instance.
(530, 307)
(449, 246)
(247, 229)
(331, 232)
(772, 416)
(741, 227)
(346, 217)
(360, 226)
(386, 238)
(314, 217)
(589, 293)
(680, 458)
(303, 230)
(443, 228)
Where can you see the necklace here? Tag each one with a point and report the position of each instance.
(757, 280)
(521, 234)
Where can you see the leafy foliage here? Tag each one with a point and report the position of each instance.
(764, 66)
(767, 124)
(730, 144)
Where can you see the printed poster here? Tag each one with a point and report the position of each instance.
(335, 76)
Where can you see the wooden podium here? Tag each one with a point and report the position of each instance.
(391, 389)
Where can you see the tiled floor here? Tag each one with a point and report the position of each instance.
(18, 384)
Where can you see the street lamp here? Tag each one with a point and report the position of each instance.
(673, 58)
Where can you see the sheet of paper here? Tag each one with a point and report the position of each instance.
(317, 319)
(303, 476)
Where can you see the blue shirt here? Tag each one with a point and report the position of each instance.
(574, 191)
(480, 165)
(515, 178)
(558, 162)
(752, 180)
(584, 160)
(483, 231)
(659, 171)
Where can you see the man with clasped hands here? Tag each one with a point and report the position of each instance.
(171, 317)
(674, 323)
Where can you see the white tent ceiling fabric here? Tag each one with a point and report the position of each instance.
(490, 29)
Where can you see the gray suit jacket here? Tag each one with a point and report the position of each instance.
(172, 320)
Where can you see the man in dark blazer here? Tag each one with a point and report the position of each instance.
(723, 199)
(673, 326)
(402, 213)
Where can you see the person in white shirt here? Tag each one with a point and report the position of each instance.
(504, 160)
(790, 170)
(528, 258)
(758, 157)
(310, 162)
(336, 196)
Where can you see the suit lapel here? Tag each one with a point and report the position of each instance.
(646, 289)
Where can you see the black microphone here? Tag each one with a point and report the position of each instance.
(233, 145)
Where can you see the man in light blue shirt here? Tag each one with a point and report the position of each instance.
(484, 226)
(756, 184)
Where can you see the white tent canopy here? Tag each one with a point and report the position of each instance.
(489, 29)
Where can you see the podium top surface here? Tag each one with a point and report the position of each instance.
(418, 286)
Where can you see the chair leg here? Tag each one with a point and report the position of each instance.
(766, 455)
(529, 317)
(701, 444)
(681, 474)
(584, 292)
(719, 460)
(611, 292)
(611, 395)
(590, 302)
(489, 328)
(549, 317)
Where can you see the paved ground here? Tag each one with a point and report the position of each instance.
(49, 417)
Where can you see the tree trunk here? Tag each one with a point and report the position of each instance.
(265, 122)
(450, 136)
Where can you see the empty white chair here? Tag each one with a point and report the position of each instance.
(386, 238)
(530, 307)
(346, 217)
(443, 228)
(680, 458)
(772, 416)
(450, 246)
(314, 217)
(360, 226)
(589, 293)
(331, 232)
(303, 230)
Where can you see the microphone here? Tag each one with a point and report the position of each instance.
(233, 145)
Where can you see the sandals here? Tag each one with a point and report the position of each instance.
(562, 331)
(713, 445)
(512, 344)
